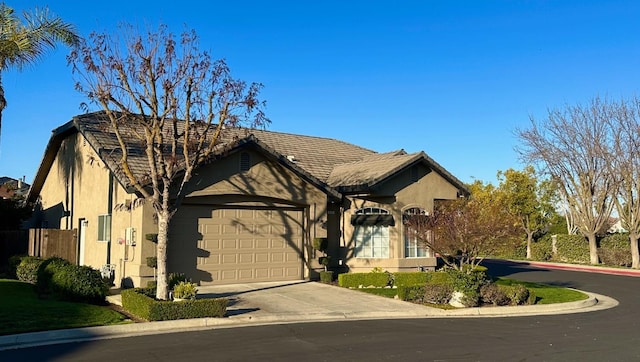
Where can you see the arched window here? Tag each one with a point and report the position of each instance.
(371, 232)
(413, 248)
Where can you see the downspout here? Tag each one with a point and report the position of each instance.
(109, 211)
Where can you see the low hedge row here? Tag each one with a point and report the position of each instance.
(57, 278)
(138, 302)
(355, 280)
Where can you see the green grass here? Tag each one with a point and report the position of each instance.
(384, 292)
(547, 294)
(22, 311)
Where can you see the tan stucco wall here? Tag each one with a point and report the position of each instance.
(396, 195)
(79, 182)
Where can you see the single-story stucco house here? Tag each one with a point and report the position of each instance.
(251, 214)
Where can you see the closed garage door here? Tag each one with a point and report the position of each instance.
(225, 246)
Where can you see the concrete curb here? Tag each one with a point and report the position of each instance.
(593, 303)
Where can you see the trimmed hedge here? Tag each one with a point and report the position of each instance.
(135, 301)
(541, 249)
(27, 270)
(326, 276)
(410, 279)
(79, 284)
(411, 293)
(355, 280)
(615, 250)
(572, 249)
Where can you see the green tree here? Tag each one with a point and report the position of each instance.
(165, 97)
(530, 200)
(23, 41)
(465, 230)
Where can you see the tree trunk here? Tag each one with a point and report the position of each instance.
(635, 254)
(593, 249)
(162, 291)
(529, 241)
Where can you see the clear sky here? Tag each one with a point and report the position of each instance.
(451, 78)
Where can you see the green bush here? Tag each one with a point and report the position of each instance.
(139, 304)
(437, 293)
(439, 277)
(407, 279)
(185, 290)
(517, 294)
(152, 284)
(13, 262)
(152, 262)
(27, 270)
(615, 250)
(542, 250)
(46, 271)
(320, 244)
(326, 276)
(411, 293)
(355, 280)
(79, 284)
(493, 294)
(572, 249)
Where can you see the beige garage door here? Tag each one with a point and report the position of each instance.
(236, 245)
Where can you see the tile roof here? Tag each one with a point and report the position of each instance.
(328, 162)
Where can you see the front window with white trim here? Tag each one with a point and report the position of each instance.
(371, 232)
(413, 248)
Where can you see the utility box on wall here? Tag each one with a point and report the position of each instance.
(130, 236)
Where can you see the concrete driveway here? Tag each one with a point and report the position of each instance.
(307, 300)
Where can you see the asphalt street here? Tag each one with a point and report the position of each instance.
(606, 335)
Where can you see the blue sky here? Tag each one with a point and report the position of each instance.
(451, 78)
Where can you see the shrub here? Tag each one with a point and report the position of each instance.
(614, 250)
(355, 280)
(541, 249)
(27, 270)
(152, 262)
(79, 284)
(518, 294)
(406, 279)
(326, 277)
(185, 290)
(46, 271)
(411, 293)
(493, 294)
(143, 306)
(437, 293)
(516, 250)
(13, 262)
(320, 244)
(152, 284)
(572, 249)
(176, 278)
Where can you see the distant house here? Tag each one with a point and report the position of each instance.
(10, 187)
(251, 214)
(615, 226)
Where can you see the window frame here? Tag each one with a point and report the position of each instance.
(411, 245)
(104, 228)
(371, 241)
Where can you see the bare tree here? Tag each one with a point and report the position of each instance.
(166, 97)
(465, 230)
(624, 162)
(569, 146)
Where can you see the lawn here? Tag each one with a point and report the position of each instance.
(22, 311)
(547, 294)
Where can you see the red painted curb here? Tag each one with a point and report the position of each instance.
(631, 273)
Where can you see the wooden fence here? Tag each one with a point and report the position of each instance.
(45, 243)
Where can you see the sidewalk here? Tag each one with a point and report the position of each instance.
(303, 301)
